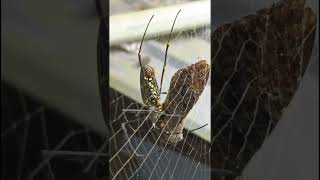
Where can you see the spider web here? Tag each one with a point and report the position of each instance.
(258, 62)
(40, 143)
(138, 157)
(137, 149)
(182, 95)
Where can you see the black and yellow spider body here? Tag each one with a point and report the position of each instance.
(149, 88)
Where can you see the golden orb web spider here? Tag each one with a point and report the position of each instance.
(167, 118)
(150, 91)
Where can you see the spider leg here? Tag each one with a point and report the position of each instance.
(194, 129)
(139, 53)
(166, 53)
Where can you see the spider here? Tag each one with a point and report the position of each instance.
(150, 93)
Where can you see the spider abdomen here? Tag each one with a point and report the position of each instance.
(149, 87)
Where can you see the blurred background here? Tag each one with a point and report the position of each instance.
(50, 97)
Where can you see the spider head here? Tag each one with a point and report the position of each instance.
(148, 71)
